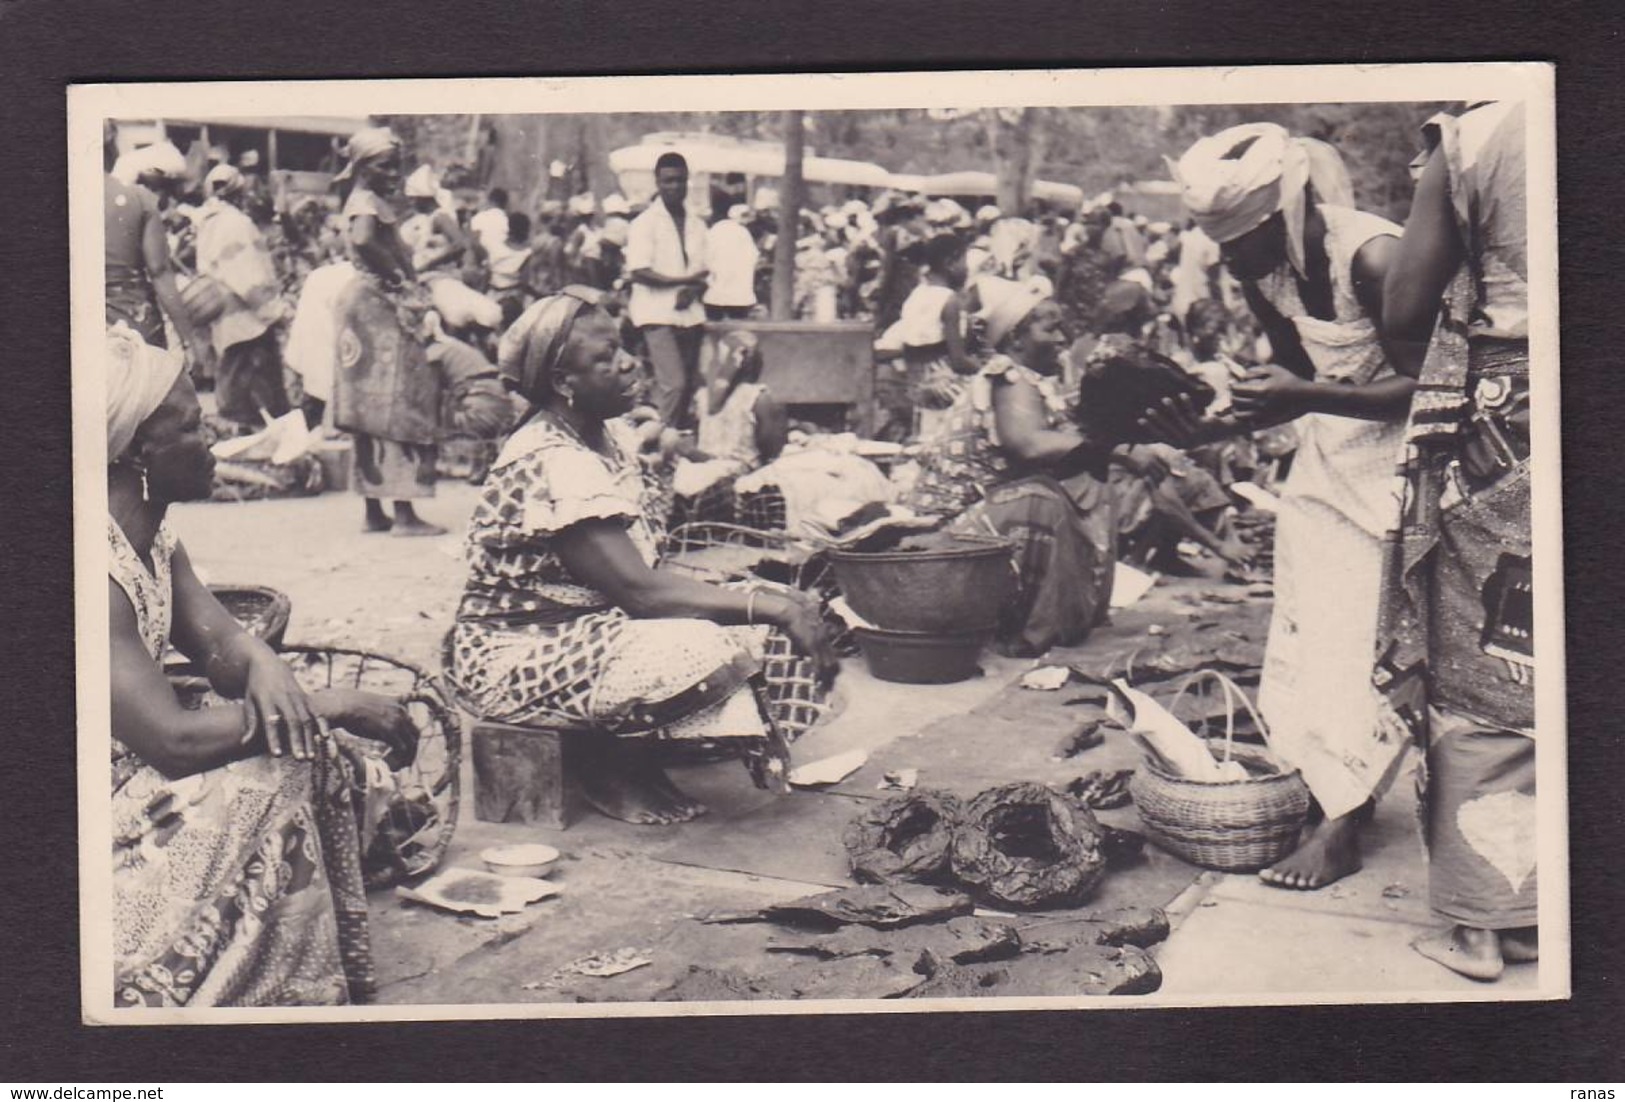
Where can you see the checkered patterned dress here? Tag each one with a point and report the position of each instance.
(532, 645)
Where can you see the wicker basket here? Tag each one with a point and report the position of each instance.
(1233, 826)
(417, 828)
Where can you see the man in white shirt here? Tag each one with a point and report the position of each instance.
(666, 262)
(732, 253)
(490, 226)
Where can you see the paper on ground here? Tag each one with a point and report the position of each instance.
(828, 770)
(468, 891)
(1046, 678)
(1129, 585)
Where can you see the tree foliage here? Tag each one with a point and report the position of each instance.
(1096, 148)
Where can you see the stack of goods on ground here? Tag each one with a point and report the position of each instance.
(958, 899)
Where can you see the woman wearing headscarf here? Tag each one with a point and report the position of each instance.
(386, 393)
(1456, 638)
(1312, 270)
(236, 865)
(1009, 458)
(565, 620)
(139, 271)
(232, 251)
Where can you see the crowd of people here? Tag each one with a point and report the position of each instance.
(1090, 387)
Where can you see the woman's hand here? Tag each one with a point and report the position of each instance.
(1181, 422)
(371, 716)
(1270, 392)
(805, 626)
(278, 709)
(1145, 462)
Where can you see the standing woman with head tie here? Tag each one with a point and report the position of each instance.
(386, 393)
(1312, 269)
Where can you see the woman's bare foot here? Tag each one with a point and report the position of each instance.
(615, 782)
(1465, 950)
(377, 520)
(1520, 946)
(683, 806)
(408, 523)
(1329, 853)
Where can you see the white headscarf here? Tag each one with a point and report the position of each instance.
(157, 159)
(422, 184)
(1232, 193)
(139, 377)
(1006, 304)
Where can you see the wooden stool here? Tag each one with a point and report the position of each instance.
(522, 774)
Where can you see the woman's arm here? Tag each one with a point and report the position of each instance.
(161, 274)
(377, 253)
(952, 332)
(149, 719)
(600, 555)
(1424, 262)
(772, 426)
(276, 714)
(1022, 423)
(1286, 347)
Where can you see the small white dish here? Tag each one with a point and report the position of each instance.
(522, 859)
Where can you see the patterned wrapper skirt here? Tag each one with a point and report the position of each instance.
(239, 886)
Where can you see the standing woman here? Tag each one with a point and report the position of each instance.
(236, 864)
(1312, 270)
(386, 393)
(1456, 648)
(231, 250)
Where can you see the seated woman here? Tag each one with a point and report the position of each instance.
(931, 330)
(236, 868)
(741, 427)
(1008, 458)
(565, 620)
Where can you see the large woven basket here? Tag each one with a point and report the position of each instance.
(1233, 826)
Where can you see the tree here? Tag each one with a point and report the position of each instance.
(784, 248)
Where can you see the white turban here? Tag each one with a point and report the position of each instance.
(224, 180)
(157, 159)
(1235, 180)
(139, 377)
(421, 184)
(1006, 304)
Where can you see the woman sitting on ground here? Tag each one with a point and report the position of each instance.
(236, 865)
(1009, 459)
(741, 428)
(566, 622)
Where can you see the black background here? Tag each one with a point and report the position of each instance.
(45, 44)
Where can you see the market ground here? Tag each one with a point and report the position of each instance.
(625, 887)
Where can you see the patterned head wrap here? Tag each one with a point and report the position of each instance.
(530, 348)
(366, 146)
(1234, 181)
(139, 377)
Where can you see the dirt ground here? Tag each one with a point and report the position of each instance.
(646, 889)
